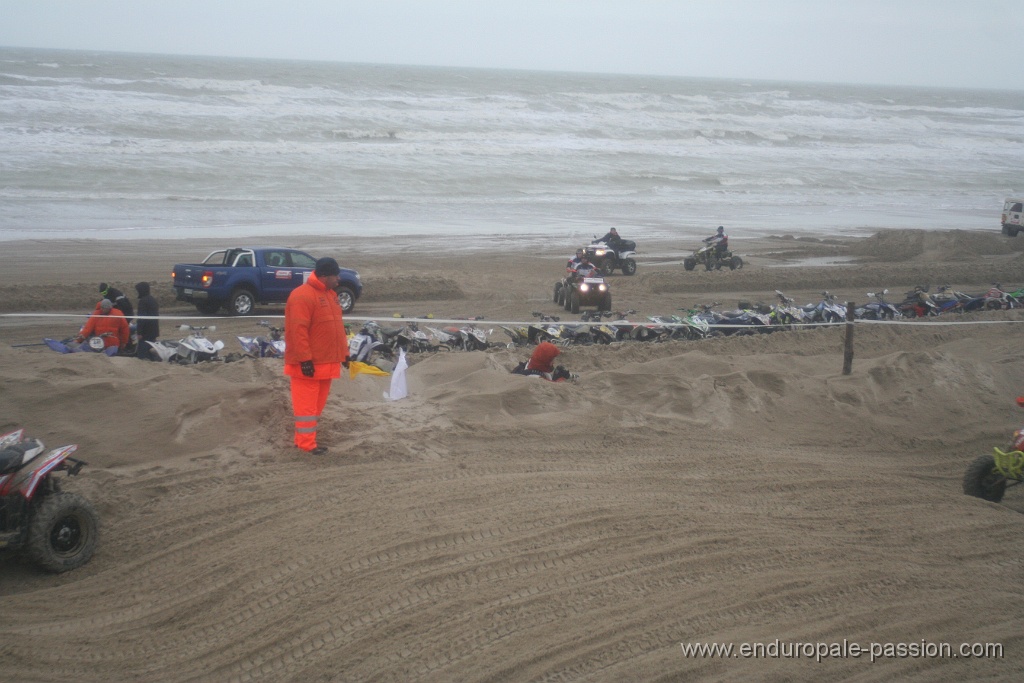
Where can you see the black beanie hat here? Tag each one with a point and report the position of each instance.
(103, 287)
(326, 266)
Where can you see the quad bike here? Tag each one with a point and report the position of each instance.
(192, 349)
(607, 258)
(57, 530)
(989, 475)
(576, 290)
(712, 259)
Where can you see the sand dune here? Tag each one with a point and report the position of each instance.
(495, 527)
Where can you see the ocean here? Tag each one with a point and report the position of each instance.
(136, 146)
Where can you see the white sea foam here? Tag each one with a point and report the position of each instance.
(148, 146)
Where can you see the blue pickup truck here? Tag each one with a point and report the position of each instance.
(242, 277)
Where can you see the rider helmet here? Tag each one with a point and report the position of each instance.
(721, 229)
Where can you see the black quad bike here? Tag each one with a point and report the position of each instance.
(576, 291)
(989, 476)
(709, 257)
(56, 529)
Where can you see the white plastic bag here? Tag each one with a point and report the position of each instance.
(399, 386)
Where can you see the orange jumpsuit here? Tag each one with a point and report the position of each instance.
(313, 330)
(113, 323)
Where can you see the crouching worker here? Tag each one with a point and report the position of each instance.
(108, 323)
(541, 364)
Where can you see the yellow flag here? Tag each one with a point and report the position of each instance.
(355, 367)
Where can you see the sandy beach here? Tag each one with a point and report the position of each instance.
(493, 527)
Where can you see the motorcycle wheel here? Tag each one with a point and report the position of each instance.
(628, 267)
(689, 263)
(63, 532)
(982, 481)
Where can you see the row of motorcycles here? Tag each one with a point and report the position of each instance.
(373, 343)
(919, 302)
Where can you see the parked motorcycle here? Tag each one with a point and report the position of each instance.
(828, 310)
(367, 343)
(786, 312)
(879, 309)
(918, 303)
(92, 345)
(58, 530)
(270, 346)
(996, 299)
(989, 476)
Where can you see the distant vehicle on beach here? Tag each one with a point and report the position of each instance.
(1012, 217)
(239, 278)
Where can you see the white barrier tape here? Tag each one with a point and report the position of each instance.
(516, 323)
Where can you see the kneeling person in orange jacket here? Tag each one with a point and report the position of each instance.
(108, 323)
(315, 349)
(542, 363)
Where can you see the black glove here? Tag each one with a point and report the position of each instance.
(307, 368)
(344, 363)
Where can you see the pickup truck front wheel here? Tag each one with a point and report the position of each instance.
(347, 299)
(241, 302)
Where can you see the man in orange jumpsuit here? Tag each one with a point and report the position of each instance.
(315, 349)
(109, 323)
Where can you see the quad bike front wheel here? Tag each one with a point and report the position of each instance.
(628, 266)
(735, 262)
(981, 479)
(689, 263)
(63, 532)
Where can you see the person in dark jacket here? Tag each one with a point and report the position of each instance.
(120, 301)
(147, 330)
(612, 239)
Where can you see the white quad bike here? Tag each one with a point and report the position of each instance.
(608, 259)
(193, 348)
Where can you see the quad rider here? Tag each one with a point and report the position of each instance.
(580, 267)
(612, 239)
(720, 241)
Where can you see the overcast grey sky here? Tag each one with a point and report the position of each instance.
(958, 43)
